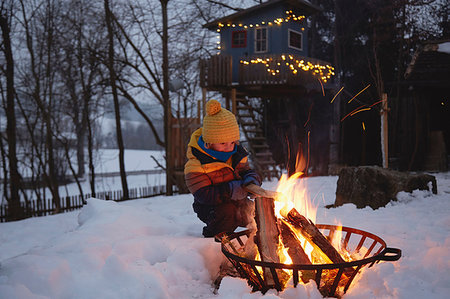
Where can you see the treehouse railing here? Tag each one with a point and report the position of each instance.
(277, 69)
(216, 71)
(269, 69)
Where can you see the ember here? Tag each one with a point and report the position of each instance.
(288, 247)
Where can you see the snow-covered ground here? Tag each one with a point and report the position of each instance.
(153, 248)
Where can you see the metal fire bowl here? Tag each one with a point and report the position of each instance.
(335, 284)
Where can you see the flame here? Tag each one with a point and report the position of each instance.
(292, 193)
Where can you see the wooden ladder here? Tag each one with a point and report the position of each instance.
(260, 153)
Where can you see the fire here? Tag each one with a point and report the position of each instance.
(292, 193)
(286, 245)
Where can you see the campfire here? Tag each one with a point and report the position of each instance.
(287, 247)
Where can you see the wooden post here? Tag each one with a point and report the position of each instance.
(199, 112)
(169, 158)
(233, 100)
(204, 100)
(384, 130)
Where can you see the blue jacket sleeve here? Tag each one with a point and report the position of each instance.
(250, 176)
(213, 195)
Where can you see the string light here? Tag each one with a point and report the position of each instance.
(323, 72)
(290, 16)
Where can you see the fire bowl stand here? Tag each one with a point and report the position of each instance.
(335, 284)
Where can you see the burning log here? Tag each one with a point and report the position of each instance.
(267, 239)
(313, 235)
(295, 249)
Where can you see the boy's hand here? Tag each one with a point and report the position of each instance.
(237, 191)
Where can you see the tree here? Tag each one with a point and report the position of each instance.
(81, 38)
(39, 34)
(112, 82)
(15, 211)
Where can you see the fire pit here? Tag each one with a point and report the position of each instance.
(332, 280)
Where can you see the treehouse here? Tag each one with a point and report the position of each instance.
(263, 70)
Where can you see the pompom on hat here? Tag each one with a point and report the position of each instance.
(219, 124)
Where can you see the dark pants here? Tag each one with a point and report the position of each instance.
(225, 217)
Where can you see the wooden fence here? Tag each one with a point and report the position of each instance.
(44, 207)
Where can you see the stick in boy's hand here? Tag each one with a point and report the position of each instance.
(258, 191)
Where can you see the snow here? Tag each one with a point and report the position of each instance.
(444, 47)
(153, 248)
(106, 161)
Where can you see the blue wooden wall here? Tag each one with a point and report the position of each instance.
(277, 35)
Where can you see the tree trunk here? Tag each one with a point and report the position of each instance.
(91, 156)
(81, 136)
(14, 177)
(52, 177)
(166, 99)
(116, 100)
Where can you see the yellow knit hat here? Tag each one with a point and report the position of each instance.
(219, 124)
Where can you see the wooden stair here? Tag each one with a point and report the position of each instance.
(256, 142)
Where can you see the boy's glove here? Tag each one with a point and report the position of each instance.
(236, 190)
(250, 179)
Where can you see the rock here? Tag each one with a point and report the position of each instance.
(374, 186)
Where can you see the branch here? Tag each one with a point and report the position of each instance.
(135, 48)
(224, 5)
(157, 163)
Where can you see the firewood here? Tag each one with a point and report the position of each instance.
(295, 249)
(258, 191)
(267, 239)
(313, 235)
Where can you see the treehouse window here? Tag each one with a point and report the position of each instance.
(239, 39)
(295, 40)
(260, 40)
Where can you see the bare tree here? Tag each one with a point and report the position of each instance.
(82, 41)
(15, 211)
(39, 32)
(112, 78)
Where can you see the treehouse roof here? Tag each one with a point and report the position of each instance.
(304, 5)
(430, 65)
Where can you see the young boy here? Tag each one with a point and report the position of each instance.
(217, 171)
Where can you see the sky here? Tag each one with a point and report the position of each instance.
(153, 248)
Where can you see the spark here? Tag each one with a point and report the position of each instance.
(353, 112)
(358, 93)
(363, 126)
(337, 94)
(376, 103)
(323, 92)
(307, 163)
(309, 115)
(360, 110)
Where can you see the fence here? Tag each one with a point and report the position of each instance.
(44, 207)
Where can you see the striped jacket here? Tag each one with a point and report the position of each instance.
(207, 178)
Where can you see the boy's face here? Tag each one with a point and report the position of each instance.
(223, 147)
